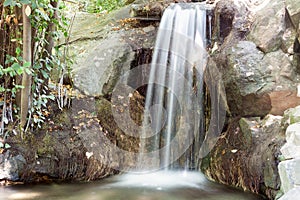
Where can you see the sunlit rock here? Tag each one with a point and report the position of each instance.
(292, 194)
(269, 26)
(100, 71)
(293, 8)
(289, 171)
(292, 148)
(292, 115)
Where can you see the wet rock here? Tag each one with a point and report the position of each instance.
(266, 32)
(247, 155)
(224, 15)
(85, 142)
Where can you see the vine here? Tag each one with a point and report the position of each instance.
(48, 26)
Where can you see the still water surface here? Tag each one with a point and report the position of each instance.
(154, 186)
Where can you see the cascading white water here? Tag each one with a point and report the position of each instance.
(173, 108)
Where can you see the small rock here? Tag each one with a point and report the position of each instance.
(11, 166)
(148, 29)
(292, 115)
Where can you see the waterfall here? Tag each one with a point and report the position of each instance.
(173, 116)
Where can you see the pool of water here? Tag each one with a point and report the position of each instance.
(150, 186)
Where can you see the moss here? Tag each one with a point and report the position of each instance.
(46, 147)
(205, 162)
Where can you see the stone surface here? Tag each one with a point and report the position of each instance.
(289, 171)
(292, 147)
(100, 71)
(81, 143)
(11, 167)
(103, 49)
(292, 115)
(293, 8)
(293, 194)
(247, 155)
(266, 31)
(293, 134)
(252, 78)
(288, 39)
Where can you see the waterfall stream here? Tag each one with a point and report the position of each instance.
(173, 116)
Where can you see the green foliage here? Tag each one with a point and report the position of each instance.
(15, 68)
(44, 62)
(13, 3)
(96, 6)
(42, 16)
(4, 146)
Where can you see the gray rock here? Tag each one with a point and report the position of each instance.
(288, 39)
(293, 194)
(11, 166)
(101, 69)
(276, 69)
(243, 59)
(289, 171)
(250, 78)
(293, 8)
(266, 31)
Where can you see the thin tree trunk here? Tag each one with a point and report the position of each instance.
(18, 13)
(26, 79)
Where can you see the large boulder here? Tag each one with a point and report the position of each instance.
(252, 78)
(100, 70)
(84, 142)
(247, 155)
(259, 75)
(269, 26)
(104, 48)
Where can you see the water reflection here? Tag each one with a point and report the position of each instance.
(155, 186)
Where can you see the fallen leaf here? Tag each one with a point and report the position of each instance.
(234, 150)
